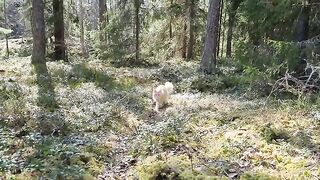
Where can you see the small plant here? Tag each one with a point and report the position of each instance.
(9, 90)
(207, 84)
(52, 124)
(48, 102)
(302, 140)
(54, 158)
(217, 83)
(82, 73)
(160, 137)
(271, 134)
(25, 51)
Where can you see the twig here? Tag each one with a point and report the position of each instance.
(307, 83)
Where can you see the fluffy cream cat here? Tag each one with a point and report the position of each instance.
(161, 95)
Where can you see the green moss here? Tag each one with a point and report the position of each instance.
(128, 82)
(174, 167)
(271, 134)
(100, 151)
(94, 167)
(22, 176)
(154, 166)
(87, 177)
(229, 117)
(196, 175)
(151, 171)
(257, 176)
(30, 80)
(75, 84)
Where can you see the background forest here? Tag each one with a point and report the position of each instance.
(76, 80)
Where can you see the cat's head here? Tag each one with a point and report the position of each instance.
(156, 93)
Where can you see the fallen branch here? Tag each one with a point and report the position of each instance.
(307, 83)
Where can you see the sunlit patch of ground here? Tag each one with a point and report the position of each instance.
(104, 126)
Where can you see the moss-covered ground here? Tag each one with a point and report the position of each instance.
(89, 120)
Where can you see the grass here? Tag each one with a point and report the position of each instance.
(73, 120)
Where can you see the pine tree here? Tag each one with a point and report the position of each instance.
(38, 32)
(60, 47)
(209, 55)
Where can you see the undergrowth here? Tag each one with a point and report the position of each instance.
(215, 127)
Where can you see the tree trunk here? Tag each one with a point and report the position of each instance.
(60, 47)
(184, 31)
(137, 26)
(102, 19)
(24, 32)
(303, 24)
(170, 24)
(81, 18)
(302, 34)
(68, 25)
(232, 13)
(38, 32)
(29, 15)
(223, 22)
(5, 26)
(209, 55)
(220, 28)
(107, 22)
(107, 15)
(184, 41)
(192, 6)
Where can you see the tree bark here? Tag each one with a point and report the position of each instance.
(81, 18)
(38, 32)
(303, 24)
(184, 41)
(68, 25)
(184, 31)
(107, 15)
(170, 24)
(59, 40)
(5, 26)
(137, 26)
(192, 6)
(302, 34)
(220, 28)
(102, 19)
(223, 22)
(231, 20)
(209, 55)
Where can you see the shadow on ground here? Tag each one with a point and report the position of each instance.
(50, 121)
(46, 98)
(121, 93)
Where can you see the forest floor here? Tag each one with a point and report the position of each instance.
(86, 119)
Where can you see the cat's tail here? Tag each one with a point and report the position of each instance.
(169, 87)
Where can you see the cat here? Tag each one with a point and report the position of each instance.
(161, 95)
